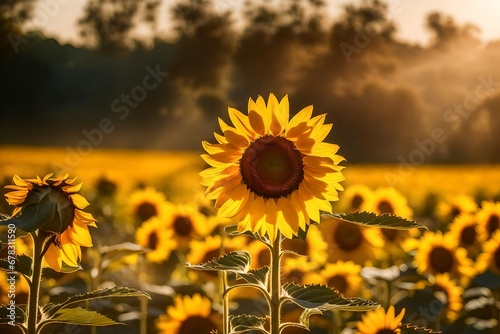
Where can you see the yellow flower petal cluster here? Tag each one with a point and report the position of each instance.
(68, 222)
(272, 173)
(378, 321)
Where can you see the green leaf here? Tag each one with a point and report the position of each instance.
(79, 316)
(232, 230)
(256, 276)
(371, 219)
(114, 253)
(321, 297)
(245, 322)
(236, 262)
(21, 264)
(117, 291)
(9, 313)
(410, 329)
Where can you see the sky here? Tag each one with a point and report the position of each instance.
(57, 18)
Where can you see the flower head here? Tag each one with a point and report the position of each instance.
(271, 173)
(54, 206)
(378, 322)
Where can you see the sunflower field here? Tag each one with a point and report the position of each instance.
(168, 242)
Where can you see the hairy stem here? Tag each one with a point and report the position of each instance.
(39, 240)
(274, 307)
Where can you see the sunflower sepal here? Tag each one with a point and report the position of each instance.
(411, 329)
(372, 219)
(22, 264)
(322, 297)
(245, 322)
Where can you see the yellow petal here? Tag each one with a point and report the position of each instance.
(79, 201)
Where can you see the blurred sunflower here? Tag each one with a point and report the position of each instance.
(153, 235)
(439, 254)
(452, 207)
(380, 322)
(488, 218)
(444, 284)
(490, 257)
(464, 228)
(314, 246)
(261, 256)
(343, 276)
(352, 242)
(56, 208)
(21, 288)
(388, 200)
(354, 197)
(270, 173)
(186, 224)
(147, 203)
(296, 269)
(209, 248)
(188, 315)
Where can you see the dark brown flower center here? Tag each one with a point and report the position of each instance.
(348, 236)
(264, 257)
(209, 256)
(294, 276)
(183, 226)
(297, 245)
(145, 211)
(389, 234)
(455, 211)
(386, 331)
(496, 258)
(468, 236)
(105, 187)
(385, 207)
(356, 202)
(441, 259)
(196, 324)
(271, 167)
(153, 240)
(338, 282)
(493, 224)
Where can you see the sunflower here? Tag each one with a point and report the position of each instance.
(443, 284)
(147, 203)
(439, 254)
(270, 173)
(347, 241)
(296, 269)
(488, 218)
(343, 276)
(66, 221)
(380, 322)
(153, 235)
(314, 246)
(186, 224)
(454, 206)
(490, 257)
(188, 315)
(354, 197)
(464, 228)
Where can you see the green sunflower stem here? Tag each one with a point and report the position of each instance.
(274, 307)
(39, 241)
(223, 285)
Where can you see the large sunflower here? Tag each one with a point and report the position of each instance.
(464, 228)
(380, 322)
(343, 276)
(352, 242)
(152, 234)
(488, 218)
(439, 254)
(490, 257)
(66, 221)
(270, 173)
(188, 315)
